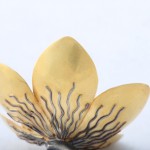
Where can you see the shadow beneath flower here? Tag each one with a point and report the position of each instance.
(119, 146)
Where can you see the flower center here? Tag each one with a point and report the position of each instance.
(59, 145)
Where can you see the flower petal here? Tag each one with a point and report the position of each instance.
(110, 113)
(114, 139)
(24, 132)
(64, 82)
(20, 103)
(107, 143)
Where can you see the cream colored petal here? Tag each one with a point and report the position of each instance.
(112, 140)
(107, 143)
(24, 132)
(13, 125)
(20, 103)
(111, 112)
(115, 139)
(66, 77)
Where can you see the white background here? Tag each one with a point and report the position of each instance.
(116, 34)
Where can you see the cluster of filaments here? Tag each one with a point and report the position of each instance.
(89, 138)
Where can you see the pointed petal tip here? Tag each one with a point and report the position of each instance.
(6, 120)
(65, 41)
(142, 87)
(70, 44)
(67, 38)
(146, 87)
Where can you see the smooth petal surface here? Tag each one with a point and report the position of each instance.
(20, 103)
(110, 113)
(65, 82)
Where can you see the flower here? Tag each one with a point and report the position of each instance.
(61, 112)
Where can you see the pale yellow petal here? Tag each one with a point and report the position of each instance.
(112, 140)
(20, 127)
(109, 142)
(111, 112)
(115, 139)
(66, 76)
(20, 103)
(25, 133)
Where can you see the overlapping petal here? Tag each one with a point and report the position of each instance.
(65, 82)
(20, 104)
(109, 113)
